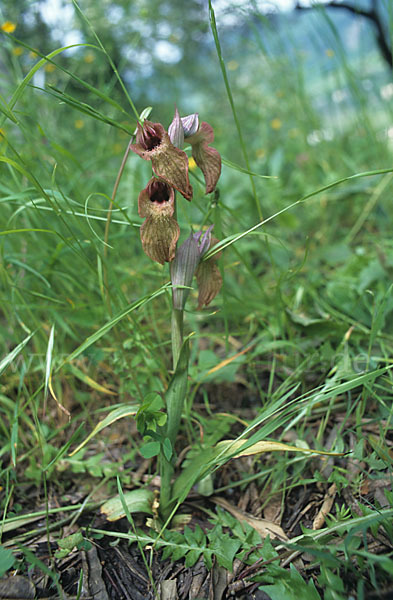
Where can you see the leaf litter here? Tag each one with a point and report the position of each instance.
(104, 558)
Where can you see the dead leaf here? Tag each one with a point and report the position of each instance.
(231, 447)
(365, 487)
(273, 509)
(381, 498)
(89, 381)
(325, 508)
(262, 526)
(198, 579)
(17, 588)
(218, 582)
(96, 584)
(227, 361)
(19, 521)
(167, 590)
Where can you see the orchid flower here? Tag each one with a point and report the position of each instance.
(160, 231)
(169, 163)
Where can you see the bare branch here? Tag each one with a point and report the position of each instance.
(372, 15)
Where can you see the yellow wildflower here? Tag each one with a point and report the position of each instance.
(89, 57)
(17, 51)
(275, 124)
(191, 163)
(33, 54)
(8, 27)
(233, 65)
(50, 68)
(260, 153)
(329, 52)
(79, 124)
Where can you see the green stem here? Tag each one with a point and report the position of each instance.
(177, 324)
(175, 401)
(166, 472)
(177, 335)
(107, 224)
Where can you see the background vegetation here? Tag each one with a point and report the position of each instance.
(300, 337)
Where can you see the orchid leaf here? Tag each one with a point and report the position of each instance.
(136, 501)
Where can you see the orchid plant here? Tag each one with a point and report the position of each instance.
(159, 236)
(160, 233)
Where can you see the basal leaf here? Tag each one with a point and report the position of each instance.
(176, 393)
(136, 501)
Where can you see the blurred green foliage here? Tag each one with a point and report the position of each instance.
(305, 127)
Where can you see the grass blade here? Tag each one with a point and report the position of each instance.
(108, 326)
(234, 238)
(213, 26)
(124, 410)
(48, 363)
(7, 360)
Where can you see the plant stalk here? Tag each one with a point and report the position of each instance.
(166, 472)
(175, 401)
(176, 334)
(107, 224)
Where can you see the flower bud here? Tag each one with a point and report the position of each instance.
(175, 131)
(185, 264)
(190, 124)
(183, 270)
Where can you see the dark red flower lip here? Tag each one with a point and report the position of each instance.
(160, 231)
(169, 163)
